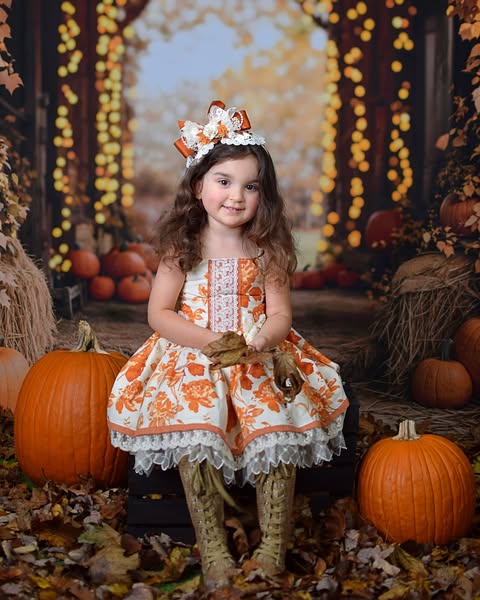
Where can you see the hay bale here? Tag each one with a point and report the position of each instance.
(27, 323)
(431, 296)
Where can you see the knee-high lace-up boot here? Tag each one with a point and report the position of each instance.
(205, 494)
(275, 493)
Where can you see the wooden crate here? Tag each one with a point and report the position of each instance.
(157, 503)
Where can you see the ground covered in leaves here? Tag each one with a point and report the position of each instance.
(59, 542)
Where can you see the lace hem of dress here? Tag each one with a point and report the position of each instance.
(302, 449)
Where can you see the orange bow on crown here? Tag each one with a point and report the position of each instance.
(230, 126)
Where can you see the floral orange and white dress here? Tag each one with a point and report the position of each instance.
(167, 402)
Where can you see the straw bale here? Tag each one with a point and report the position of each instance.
(28, 322)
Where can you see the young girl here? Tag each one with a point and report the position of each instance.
(205, 392)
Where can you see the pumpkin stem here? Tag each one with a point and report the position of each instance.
(406, 431)
(446, 349)
(87, 340)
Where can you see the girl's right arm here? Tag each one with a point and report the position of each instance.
(162, 317)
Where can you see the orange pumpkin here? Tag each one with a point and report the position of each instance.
(85, 263)
(60, 426)
(441, 382)
(454, 212)
(134, 289)
(417, 487)
(147, 252)
(380, 227)
(313, 279)
(347, 278)
(107, 259)
(13, 368)
(125, 263)
(467, 349)
(101, 287)
(331, 272)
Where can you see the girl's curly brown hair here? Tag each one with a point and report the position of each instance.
(180, 227)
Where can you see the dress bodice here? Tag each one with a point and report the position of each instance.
(225, 294)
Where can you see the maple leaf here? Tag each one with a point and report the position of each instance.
(110, 565)
(101, 536)
(5, 31)
(8, 279)
(449, 250)
(10, 80)
(477, 265)
(4, 299)
(442, 141)
(287, 375)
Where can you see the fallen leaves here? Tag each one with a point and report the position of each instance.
(71, 543)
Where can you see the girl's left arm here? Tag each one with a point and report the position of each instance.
(278, 308)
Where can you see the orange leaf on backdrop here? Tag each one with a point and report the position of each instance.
(442, 141)
(10, 80)
(4, 28)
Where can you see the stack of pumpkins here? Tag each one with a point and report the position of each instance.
(450, 381)
(126, 271)
(333, 274)
(59, 408)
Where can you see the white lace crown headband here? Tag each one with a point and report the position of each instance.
(227, 126)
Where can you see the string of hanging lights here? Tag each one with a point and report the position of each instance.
(64, 174)
(349, 66)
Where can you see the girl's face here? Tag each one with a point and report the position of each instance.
(230, 192)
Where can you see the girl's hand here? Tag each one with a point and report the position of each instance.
(260, 344)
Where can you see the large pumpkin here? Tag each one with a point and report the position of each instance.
(13, 368)
(454, 212)
(60, 427)
(419, 488)
(441, 382)
(380, 227)
(467, 349)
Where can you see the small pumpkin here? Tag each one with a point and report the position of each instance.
(455, 212)
(467, 349)
(101, 287)
(331, 271)
(297, 278)
(417, 487)
(85, 263)
(347, 278)
(381, 226)
(134, 289)
(13, 369)
(125, 263)
(441, 382)
(60, 426)
(313, 279)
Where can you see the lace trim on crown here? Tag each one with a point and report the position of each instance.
(224, 301)
(301, 449)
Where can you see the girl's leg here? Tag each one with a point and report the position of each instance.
(275, 493)
(206, 507)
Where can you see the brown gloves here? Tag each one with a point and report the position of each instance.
(231, 349)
